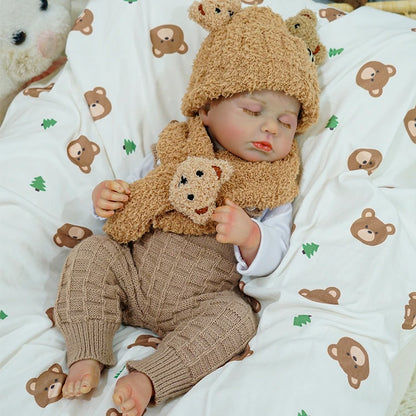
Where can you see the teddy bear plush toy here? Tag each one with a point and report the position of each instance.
(33, 35)
(303, 25)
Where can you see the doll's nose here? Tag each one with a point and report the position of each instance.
(270, 125)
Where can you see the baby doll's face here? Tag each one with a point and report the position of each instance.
(256, 127)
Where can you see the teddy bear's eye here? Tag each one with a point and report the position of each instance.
(43, 4)
(297, 25)
(217, 10)
(183, 181)
(19, 37)
(199, 173)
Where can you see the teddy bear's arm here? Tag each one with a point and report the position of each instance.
(149, 198)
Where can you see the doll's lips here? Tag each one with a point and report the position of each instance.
(201, 211)
(265, 146)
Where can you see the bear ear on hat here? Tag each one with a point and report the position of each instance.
(212, 14)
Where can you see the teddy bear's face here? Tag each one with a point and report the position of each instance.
(33, 34)
(195, 187)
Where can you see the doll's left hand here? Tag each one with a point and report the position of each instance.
(234, 226)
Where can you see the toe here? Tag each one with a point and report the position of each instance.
(118, 397)
(77, 388)
(85, 385)
(128, 406)
(68, 390)
(132, 412)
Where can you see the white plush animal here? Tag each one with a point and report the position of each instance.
(33, 35)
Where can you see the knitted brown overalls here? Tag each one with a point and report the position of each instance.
(181, 287)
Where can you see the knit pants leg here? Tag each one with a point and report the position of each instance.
(219, 329)
(88, 306)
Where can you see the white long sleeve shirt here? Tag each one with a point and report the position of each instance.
(274, 224)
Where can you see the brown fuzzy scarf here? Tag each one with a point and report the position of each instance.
(257, 185)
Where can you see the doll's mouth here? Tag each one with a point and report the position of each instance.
(264, 146)
(201, 211)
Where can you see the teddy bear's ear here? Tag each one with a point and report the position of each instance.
(212, 14)
(223, 169)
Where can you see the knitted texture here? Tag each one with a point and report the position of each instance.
(180, 287)
(89, 324)
(252, 185)
(253, 51)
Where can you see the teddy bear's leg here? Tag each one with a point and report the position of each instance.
(88, 308)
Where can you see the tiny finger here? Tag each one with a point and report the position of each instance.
(104, 213)
(124, 185)
(230, 203)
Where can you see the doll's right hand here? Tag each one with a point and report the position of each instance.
(109, 196)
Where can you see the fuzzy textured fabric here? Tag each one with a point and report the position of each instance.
(253, 51)
(258, 185)
(303, 26)
(32, 37)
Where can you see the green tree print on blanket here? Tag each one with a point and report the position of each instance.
(309, 249)
(38, 183)
(48, 122)
(334, 52)
(129, 146)
(332, 123)
(301, 320)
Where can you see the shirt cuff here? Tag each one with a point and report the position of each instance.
(271, 251)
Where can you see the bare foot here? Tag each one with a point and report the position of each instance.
(133, 393)
(83, 376)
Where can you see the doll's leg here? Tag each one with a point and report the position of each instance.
(218, 330)
(87, 309)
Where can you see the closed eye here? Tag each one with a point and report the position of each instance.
(285, 125)
(252, 113)
(288, 120)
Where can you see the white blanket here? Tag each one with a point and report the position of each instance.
(333, 338)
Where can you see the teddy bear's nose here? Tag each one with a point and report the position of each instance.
(191, 197)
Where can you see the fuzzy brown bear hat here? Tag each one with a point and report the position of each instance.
(247, 50)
